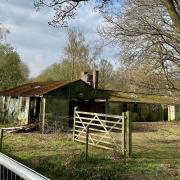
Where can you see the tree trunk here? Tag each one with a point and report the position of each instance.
(169, 4)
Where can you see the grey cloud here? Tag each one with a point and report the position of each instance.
(40, 45)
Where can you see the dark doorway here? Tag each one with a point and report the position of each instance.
(34, 109)
(99, 107)
(165, 113)
(83, 105)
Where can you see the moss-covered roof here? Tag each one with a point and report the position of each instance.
(137, 97)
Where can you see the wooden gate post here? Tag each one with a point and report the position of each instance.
(43, 107)
(123, 147)
(87, 141)
(128, 133)
(74, 123)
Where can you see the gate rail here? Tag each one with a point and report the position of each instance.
(13, 170)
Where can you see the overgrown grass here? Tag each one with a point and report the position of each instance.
(156, 155)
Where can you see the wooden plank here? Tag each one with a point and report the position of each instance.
(104, 142)
(79, 127)
(102, 120)
(98, 135)
(93, 134)
(99, 125)
(99, 114)
(97, 130)
(14, 128)
(92, 129)
(78, 131)
(100, 146)
(96, 141)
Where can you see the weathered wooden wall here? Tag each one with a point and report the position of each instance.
(14, 110)
(74, 90)
(56, 112)
(177, 112)
(143, 112)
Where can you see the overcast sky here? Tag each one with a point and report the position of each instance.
(38, 44)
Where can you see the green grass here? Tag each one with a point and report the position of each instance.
(156, 155)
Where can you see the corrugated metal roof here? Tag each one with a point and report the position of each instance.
(41, 88)
(35, 88)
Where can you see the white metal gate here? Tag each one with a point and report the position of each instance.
(13, 170)
(105, 131)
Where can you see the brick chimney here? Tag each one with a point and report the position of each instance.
(84, 76)
(95, 78)
(92, 80)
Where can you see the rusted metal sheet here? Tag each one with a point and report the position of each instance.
(34, 89)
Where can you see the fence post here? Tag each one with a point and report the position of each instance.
(87, 140)
(43, 107)
(1, 140)
(128, 133)
(74, 118)
(123, 134)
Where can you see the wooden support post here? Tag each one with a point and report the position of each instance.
(123, 147)
(162, 113)
(1, 140)
(87, 140)
(74, 119)
(19, 104)
(43, 107)
(27, 107)
(128, 133)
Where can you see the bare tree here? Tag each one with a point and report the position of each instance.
(149, 30)
(66, 9)
(173, 8)
(76, 54)
(138, 79)
(147, 38)
(78, 57)
(105, 74)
